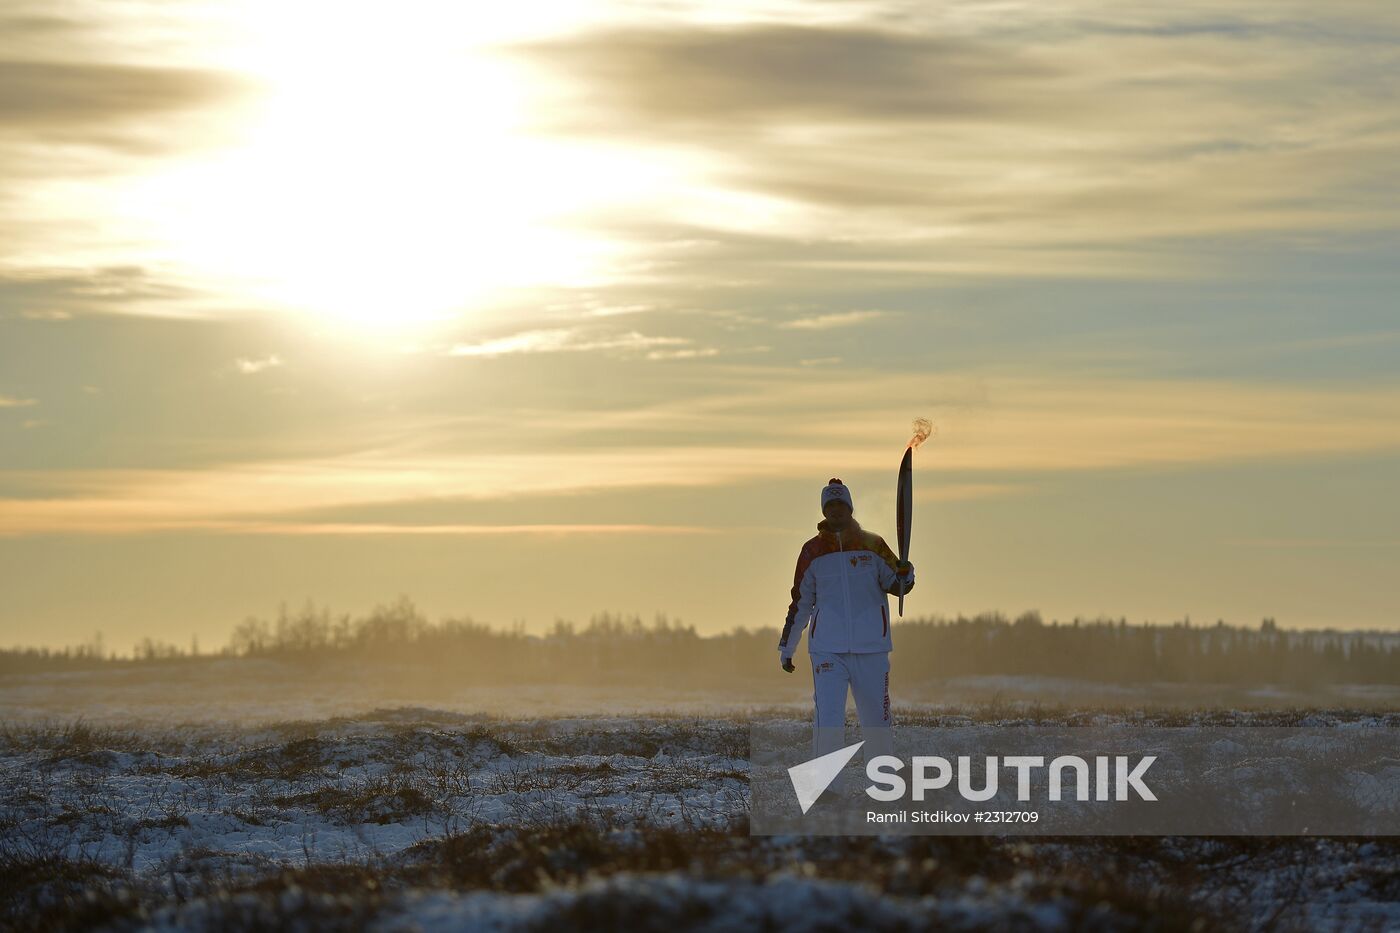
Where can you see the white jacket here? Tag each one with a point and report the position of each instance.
(842, 584)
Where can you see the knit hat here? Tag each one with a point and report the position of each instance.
(836, 491)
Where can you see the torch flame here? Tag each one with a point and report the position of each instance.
(923, 429)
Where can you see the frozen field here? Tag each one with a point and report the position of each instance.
(411, 818)
(251, 691)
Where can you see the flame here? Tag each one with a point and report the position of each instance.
(923, 429)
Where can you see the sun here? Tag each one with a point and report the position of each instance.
(382, 181)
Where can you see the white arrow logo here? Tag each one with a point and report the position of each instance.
(810, 778)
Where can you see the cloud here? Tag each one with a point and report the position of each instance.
(896, 144)
(690, 79)
(558, 340)
(109, 105)
(10, 401)
(21, 24)
(388, 528)
(688, 353)
(767, 428)
(599, 307)
(1046, 141)
(81, 112)
(614, 310)
(58, 293)
(835, 319)
(249, 367)
(988, 422)
(252, 496)
(136, 525)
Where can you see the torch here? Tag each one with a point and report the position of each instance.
(904, 496)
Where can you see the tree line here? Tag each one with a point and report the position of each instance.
(617, 648)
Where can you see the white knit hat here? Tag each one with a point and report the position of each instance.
(836, 490)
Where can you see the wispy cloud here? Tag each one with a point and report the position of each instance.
(599, 305)
(103, 104)
(58, 293)
(615, 310)
(988, 421)
(249, 366)
(291, 528)
(835, 319)
(557, 340)
(906, 142)
(382, 528)
(271, 497)
(765, 73)
(116, 500)
(688, 353)
(989, 425)
(10, 401)
(947, 140)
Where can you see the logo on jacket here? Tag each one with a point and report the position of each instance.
(853, 561)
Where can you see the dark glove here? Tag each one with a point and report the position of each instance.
(788, 665)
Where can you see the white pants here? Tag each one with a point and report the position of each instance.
(867, 675)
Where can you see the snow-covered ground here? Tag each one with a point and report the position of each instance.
(412, 818)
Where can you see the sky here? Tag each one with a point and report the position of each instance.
(568, 308)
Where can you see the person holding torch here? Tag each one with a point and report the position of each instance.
(841, 588)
